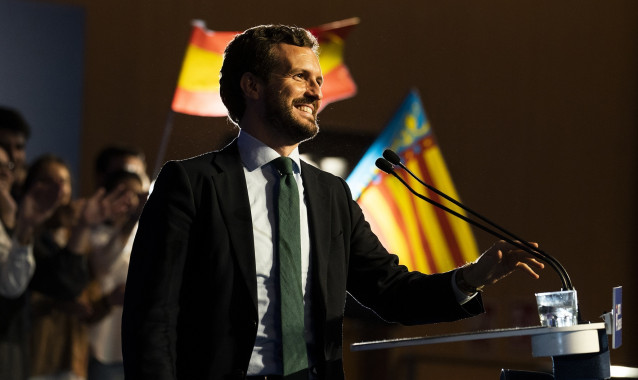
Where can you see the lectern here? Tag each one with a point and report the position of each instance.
(578, 352)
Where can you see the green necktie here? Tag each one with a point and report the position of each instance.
(291, 295)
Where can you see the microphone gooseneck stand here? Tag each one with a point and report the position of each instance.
(386, 165)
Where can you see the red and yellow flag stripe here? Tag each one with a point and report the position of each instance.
(424, 237)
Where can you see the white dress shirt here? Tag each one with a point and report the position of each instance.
(17, 265)
(109, 262)
(261, 179)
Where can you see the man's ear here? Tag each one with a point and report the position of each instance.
(251, 85)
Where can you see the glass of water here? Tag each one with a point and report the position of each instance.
(558, 309)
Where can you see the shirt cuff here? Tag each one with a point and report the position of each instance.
(461, 297)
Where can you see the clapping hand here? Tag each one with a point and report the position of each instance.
(37, 205)
(101, 206)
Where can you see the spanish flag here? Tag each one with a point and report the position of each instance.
(337, 81)
(424, 237)
(197, 91)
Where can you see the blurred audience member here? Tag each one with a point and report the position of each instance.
(117, 157)
(59, 343)
(17, 265)
(14, 133)
(59, 304)
(61, 301)
(8, 205)
(109, 264)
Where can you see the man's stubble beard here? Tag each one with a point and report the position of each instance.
(280, 116)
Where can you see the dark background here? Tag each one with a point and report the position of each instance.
(534, 104)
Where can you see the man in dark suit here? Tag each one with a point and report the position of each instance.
(202, 299)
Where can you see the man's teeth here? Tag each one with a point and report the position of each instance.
(305, 108)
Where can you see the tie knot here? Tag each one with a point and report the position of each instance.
(283, 164)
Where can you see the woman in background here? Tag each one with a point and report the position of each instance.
(60, 304)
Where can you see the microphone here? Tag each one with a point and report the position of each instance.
(385, 165)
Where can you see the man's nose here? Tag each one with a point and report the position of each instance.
(314, 88)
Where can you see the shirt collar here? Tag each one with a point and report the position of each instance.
(255, 154)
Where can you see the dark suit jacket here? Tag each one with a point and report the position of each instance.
(190, 310)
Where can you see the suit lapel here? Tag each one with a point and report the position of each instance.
(319, 216)
(230, 185)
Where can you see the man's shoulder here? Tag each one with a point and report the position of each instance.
(309, 169)
(207, 161)
(322, 178)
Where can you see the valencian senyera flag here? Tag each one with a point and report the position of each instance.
(197, 90)
(424, 237)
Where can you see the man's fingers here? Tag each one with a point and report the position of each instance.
(527, 269)
(537, 263)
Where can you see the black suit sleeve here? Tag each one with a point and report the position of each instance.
(151, 304)
(378, 281)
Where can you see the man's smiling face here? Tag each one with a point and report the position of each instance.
(293, 93)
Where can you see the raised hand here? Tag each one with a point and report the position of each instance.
(8, 205)
(498, 262)
(118, 205)
(38, 204)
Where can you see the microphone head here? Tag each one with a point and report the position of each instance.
(384, 165)
(392, 157)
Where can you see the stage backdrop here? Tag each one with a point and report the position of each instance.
(41, 73)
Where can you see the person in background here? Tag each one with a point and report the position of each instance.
(17, 265)
(109, 258)
(17, 226)
(59, 303)
(16, 260)
(14, 134)
(119, 168)
(116, 157)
